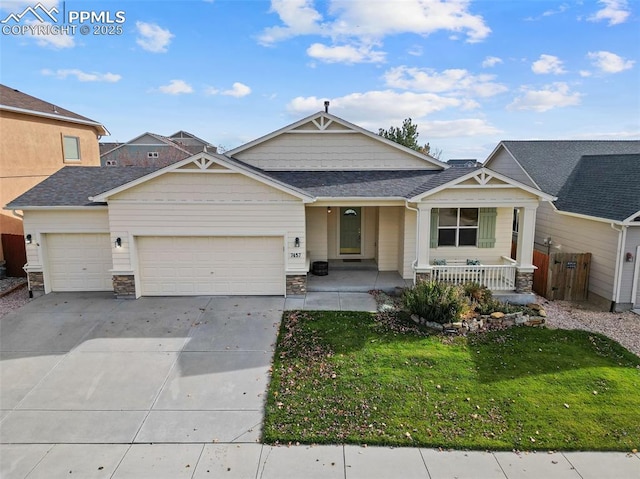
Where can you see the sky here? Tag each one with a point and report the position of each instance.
(468, 73)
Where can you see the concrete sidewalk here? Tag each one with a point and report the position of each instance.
(255, 461)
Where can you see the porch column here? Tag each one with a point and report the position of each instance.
(524, 252)
(526, 237)
(423, 236)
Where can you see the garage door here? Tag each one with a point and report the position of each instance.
(79, 262)
(230, 265)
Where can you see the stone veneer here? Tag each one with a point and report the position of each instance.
(36, 280)
(423, 277)
(524, 282)
(124, 286)
(296, 284)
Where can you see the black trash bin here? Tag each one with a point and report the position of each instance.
(320, 268)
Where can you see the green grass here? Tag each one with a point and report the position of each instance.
(345, 377)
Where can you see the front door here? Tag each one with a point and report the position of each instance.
(350, 231)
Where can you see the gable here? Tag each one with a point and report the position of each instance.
(502, 162)
(191, 186)
(326, 142)
(482, 186)
(147, 139)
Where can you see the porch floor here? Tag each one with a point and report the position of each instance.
(355, 277)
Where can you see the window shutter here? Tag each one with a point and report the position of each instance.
(434, 227)
(487, 227)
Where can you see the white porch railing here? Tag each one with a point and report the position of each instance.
(498, 277)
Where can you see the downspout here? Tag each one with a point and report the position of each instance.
(617, 275)
(415, 261)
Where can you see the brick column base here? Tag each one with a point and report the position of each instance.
(124, 286)
(524, 282)
(296, 284)
(421, 277)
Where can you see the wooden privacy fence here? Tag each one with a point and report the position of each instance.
(15, 254)
(563, 276)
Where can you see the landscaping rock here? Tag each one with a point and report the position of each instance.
(534, 306)
(542, 312)
(434, 325)
(497, 315)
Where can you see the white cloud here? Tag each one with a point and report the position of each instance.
(49, 40)
(299, 18)
(548, 64)
(379, 108)
(83, 76)
(458, 128)
(355, 27)
(416, 51)
(237, 90)
(608, 62)
(489, 62)
(552, 96)
(613, 11)
(176, 87)
(345, 54)
(585, 73)
(457, 81)
(152, 37)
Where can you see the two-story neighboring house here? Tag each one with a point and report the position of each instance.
(38, 138)
(151, 149)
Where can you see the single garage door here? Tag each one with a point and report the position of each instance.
(230, 265)
(79, 262)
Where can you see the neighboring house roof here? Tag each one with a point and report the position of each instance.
(549, 163)
(614, 195)
(350, 126)
(18, 102)
(73, 185)
(134, 153)
(105, 147)
(467, 163)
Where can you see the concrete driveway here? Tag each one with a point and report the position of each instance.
(88, 369)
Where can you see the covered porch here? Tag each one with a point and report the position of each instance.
(356, 277)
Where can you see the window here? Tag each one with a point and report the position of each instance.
(458, 227)
(516, 221)
(111, 163)
(71, 148)
(152, 154)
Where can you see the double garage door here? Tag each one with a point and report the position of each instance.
(231, 265)
(171, 266)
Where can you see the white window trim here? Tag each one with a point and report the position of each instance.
(64, 150)
(457, 228)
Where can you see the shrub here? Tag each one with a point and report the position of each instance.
(435, 301)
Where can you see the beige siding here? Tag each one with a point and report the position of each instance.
(155, 219)
(410, 221)
(37, 223)
(471, 196)
(314, 151)
(317, 233)
(389, 240)
(204, 187)
(576, 235)
(401, 236)
(494, 255)
(370, 218)
(628, 267)
(504, 163)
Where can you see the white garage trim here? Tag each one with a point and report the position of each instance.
(210, 265)
(78, 262)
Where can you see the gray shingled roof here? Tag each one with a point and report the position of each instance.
(614, 195)
(73, 185)
(369, 183)
(550, 162)
(13, 98)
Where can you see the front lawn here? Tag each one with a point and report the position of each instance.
(347, 377)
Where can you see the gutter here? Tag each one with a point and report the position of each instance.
(102, 130)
